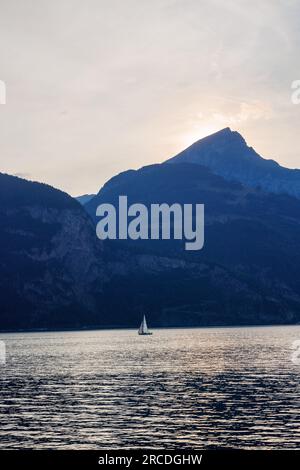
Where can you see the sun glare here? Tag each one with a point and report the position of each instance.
(198, 133)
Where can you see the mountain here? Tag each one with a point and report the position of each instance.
(227, 154)
(247, 273)
(51, 264)
(84, 198)
(55, 273)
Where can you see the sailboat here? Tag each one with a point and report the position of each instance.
(143, 330)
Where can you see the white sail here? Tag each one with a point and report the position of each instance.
(143, 328)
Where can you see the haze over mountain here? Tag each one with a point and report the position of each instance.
(227, 154)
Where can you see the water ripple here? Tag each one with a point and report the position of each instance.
(204, 388)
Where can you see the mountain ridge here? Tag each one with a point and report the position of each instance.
(227, 154)
(55, 273)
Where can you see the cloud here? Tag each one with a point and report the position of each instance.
(251, 111)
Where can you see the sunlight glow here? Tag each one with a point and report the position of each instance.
(198, 133)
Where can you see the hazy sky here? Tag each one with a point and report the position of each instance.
(96, 87)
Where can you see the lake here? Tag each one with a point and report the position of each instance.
(179, 388)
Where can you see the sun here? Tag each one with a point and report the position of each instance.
(198, 133)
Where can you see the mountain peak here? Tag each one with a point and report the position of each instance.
(222, 132)
(222, 137)
(227, 154)
(225, 143)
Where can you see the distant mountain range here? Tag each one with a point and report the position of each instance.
(55, 273)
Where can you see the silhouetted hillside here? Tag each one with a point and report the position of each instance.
(248, 270)
(50, 261)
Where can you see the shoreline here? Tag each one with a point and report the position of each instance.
(111, 327)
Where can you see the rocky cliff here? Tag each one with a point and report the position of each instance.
(51, 267)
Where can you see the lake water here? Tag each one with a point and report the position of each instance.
(201, 388)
